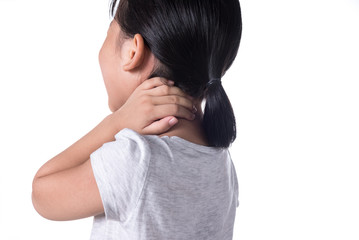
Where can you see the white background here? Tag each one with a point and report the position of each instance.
(294, 88)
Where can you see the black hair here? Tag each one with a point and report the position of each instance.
(194, 41)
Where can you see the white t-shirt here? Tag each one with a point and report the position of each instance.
(164, 188)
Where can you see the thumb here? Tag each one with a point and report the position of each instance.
(160, 126)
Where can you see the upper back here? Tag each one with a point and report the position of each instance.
(184, 191)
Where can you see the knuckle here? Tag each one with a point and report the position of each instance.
(145, 100)
(176, 108)
(165, 90)
(174, 99)
(148, 109)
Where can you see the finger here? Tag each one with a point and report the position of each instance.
(161, 111)
(173, 99)
(154, 82)
(160, 126)
(167, 90)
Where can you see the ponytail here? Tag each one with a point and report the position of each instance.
(218, 120)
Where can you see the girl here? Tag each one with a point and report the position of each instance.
(140, 177)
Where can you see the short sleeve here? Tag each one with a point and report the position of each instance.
(120, 169)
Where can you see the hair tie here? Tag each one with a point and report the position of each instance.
(213, 80)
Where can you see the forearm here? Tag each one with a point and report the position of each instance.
(80, 151)
(151, 101)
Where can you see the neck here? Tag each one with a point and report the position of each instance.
(189, 130)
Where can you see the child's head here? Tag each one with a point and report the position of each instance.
(125, 64)
(187, 41)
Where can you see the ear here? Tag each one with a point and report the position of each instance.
(136, 53)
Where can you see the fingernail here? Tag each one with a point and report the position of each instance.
(194, 109)
(171, 82)
(173, 121)
(193, 116)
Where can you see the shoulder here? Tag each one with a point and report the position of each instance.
(131, 140)
(129, 148)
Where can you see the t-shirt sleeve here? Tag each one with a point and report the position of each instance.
(120, 168)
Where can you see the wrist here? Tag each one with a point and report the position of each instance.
(115, 121)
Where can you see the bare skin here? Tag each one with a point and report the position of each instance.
(64, 188)
(191, 131)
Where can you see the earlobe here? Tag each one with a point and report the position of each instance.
(137, 53)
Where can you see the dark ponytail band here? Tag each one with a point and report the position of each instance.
(212, 81)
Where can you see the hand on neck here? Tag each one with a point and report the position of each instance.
(189, 130)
